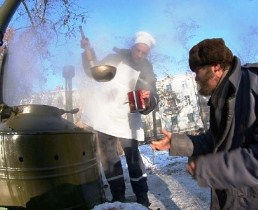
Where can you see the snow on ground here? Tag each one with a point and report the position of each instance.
(170, 185)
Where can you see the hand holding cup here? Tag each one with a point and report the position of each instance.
(139, 100)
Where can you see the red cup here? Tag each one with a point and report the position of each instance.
(136, 102)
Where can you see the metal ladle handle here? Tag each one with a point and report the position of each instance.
(90, 54)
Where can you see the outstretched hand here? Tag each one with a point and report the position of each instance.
(164, 143)
(191, 167)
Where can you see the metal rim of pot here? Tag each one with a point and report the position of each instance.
(43, 109)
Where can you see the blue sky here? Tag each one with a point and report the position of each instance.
(176, 24)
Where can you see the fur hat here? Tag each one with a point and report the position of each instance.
(210, 52)
(145, 38)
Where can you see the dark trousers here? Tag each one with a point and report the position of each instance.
(112, 166)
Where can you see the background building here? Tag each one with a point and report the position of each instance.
(180, 109)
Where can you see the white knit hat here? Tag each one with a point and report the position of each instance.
(145, 38)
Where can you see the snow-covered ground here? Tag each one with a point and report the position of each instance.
(170, 185)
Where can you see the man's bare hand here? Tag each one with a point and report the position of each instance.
(146, 94)
(191, 167)
(85, 43)
(164, 143)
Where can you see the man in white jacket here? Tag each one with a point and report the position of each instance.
(108, 112)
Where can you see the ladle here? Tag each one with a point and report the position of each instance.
(103, 73)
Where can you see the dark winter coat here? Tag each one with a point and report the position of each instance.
(227, 155)
(146, 80)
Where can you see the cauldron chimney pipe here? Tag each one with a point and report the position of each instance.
(68, 74)
(6, 12)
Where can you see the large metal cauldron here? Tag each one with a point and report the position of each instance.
(46, 162)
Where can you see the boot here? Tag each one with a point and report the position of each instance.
(117, 188)
(120, 198)
(143, 199)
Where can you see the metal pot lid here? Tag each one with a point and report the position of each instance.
(43, 109)
(34, 117)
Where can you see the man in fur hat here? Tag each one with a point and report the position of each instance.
(226, 156)
(107, 111)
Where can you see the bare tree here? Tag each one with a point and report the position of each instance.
(38, 25)
(249, 51)
(186, 30)
(48, 22)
